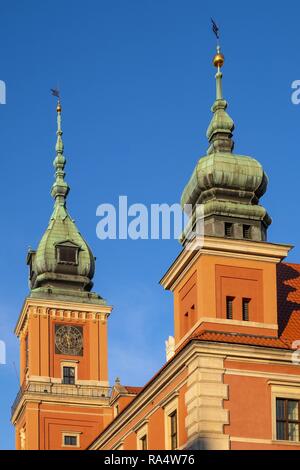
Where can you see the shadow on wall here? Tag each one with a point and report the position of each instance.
(202, 443)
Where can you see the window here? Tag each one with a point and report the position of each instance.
(228, 229)
(142, 435)
(70, 440)
(287, 419)
(67, 254)
(229, 307)
(245, 306)
(173, 429)
(69, 375)
(246, 231)
(143, 442)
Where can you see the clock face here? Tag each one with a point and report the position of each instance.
(68, 340)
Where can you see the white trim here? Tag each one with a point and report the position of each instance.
(281, 378)
(169, 409)
(140, 434)
(119, 445)
(223, 321)
(285, 391)
(241, 249)
(68, 363)
(71, 434)
(49, 308)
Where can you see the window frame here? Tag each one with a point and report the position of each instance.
(229, 298)
(72, 247)
(171, 406)
(144, 442)
(282, 390)
(71, 434)
(173, 434)
(142, 434)
(70, 377)
(286, 421)
(246, 301)
(72, 364)
(247, 232)
(228, 226)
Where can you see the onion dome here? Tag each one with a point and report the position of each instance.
(63, 264)
(227, 187)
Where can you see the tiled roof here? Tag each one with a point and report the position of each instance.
(288, 294)
(239, 338)
(133, 390)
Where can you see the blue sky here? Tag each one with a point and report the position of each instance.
(137, 85)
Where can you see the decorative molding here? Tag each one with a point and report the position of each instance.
(223, 321)
(175, 366)
(170, 407)
(141, 424)
(242, 249)
(60, 310)
(171, 397)
(206, 415)
(73, 434)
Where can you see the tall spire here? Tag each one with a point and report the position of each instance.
(227, 186)
(63, 265)
(60, 187)
(219, 132)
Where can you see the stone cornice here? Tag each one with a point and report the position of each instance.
(62, 310)
(242, 249)
(82, 402)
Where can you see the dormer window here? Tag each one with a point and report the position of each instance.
(67, 253)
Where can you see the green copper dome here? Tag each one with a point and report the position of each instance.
(226, 186)
(63, 264)
(235, 177)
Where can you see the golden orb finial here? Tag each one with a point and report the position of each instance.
(219, 59)
(58, 107)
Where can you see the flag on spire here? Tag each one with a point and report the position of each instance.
(55, 92)
(215, 29)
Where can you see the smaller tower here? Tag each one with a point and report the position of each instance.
(63, 402)
(224, 280)
(227, 186)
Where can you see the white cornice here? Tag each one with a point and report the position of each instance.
(241, 249)
(223, 321)
(59, 305)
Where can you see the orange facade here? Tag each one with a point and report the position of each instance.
(220, 390)
(51, 404)
(226, 375)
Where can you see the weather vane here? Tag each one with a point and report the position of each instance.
(56, 92)
(219, 57)
(216, 31)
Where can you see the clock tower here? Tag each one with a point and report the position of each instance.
(63, 401)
